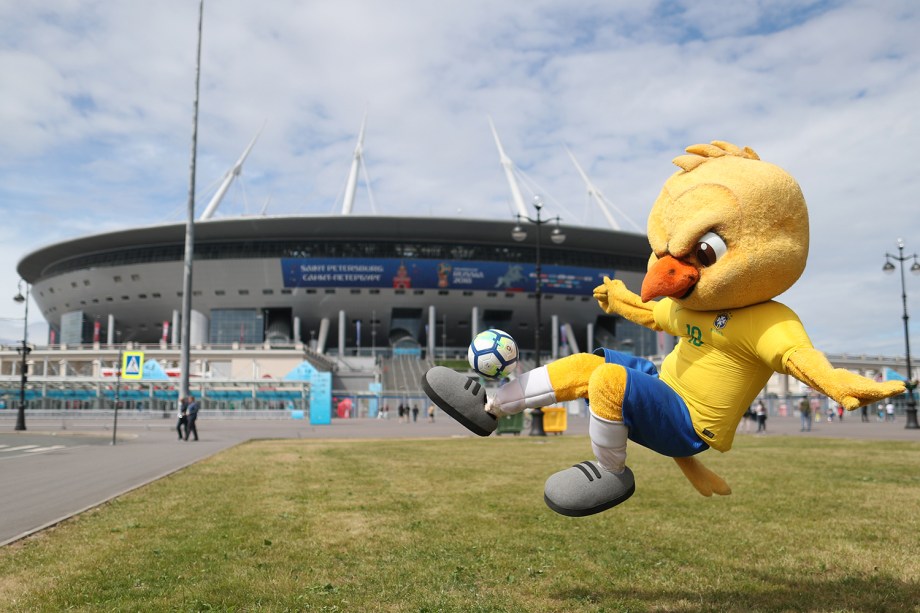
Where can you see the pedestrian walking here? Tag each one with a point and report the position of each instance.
(182, 423)
(747, 418)
(761, 412)
(889, 412)
(805, 411)
(191, 418)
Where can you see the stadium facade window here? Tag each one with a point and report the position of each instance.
(135, 277)
(236, 326)
(287, 292)
(142, 296)
(76, 328)
(220, 292)
(117, 278)
(156, 294)
(268, 292)
(243, 292)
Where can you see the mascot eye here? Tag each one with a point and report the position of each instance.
(710, 248)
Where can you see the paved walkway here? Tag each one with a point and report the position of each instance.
(59, 468)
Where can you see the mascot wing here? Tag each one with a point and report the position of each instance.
(811, 367)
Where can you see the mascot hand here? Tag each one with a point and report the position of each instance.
(615, 299)
(860, 391)
(849, 389)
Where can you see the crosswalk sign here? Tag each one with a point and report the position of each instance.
(132, 365)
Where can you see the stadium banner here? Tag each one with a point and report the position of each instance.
(439, 274)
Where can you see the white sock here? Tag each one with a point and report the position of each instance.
(608, 441)
(530, 390)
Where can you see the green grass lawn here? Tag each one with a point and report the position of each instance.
(460, 525)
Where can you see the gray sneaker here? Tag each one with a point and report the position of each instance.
(460, 397)
(586, 489)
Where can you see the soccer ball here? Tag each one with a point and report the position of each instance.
(493, 354)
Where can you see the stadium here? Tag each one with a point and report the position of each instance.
(371, 300)
(343, 285)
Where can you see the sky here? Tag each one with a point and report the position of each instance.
(96, 109)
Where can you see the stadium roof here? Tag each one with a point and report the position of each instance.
(630, 246)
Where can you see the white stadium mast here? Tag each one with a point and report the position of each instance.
(602, 202)
(508, 165)
(228, 179)
(352, 185)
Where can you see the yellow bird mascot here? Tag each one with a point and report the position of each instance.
(728, 233)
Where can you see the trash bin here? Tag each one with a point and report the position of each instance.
(555, 420)
(510, 423)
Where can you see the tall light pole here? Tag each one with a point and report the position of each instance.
(519, 234)
(186, 332)
(24, 353)
(915, 269)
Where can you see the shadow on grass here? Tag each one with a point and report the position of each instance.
(880, 593)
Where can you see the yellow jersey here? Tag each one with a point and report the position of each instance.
(724, 359)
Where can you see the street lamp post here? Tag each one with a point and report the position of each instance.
(24, 353)
(117, 391)
(915, 269)
(519, 234)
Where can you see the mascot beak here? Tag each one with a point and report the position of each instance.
(669, 277)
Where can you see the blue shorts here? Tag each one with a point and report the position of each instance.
(656, 416)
